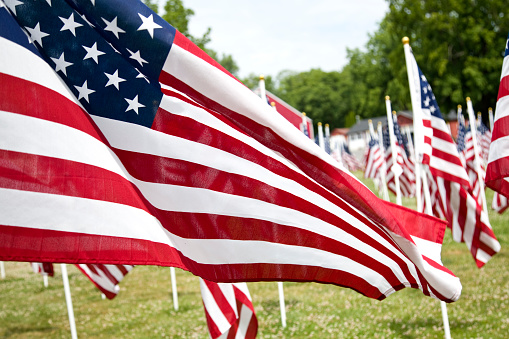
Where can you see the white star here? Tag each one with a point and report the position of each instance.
(425, 90)
(423, 78)
(112, 27)
(93, 53)
(49, 2)
(426, 102)
(429, 87)
(12, 5)
(36, 34)
(141, 75)
(113, 79)
(84, 91)
(70, 24)
(133, 104)
(148, 24)
(61, 64)
(136, 56)
(432, 109)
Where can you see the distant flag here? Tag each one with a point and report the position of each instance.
(374, 158)
(105, 277)
(349, 160)
(229, 310)
(466, 218)
(497, 172)
(304, 126)
(407, 178)
(44, 268)
(327, 139)
(484, 137)
(500, 203)
(172, 161)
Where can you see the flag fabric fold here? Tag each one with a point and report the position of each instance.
(105, 277)
(229, 310)
(144, 150)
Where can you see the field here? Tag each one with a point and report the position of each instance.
(144, 309)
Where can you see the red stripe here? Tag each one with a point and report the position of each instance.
(213, 329)
(30, 99)
(503, 89)
(221, 301)
(500, 128)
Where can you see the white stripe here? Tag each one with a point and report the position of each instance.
(244, 319)
(499, 149)
(34, 68)
(213, 309)
(505, 68)
(502, 109)
(100, 279)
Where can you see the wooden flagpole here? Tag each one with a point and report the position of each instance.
(419, 135)
(68, 301)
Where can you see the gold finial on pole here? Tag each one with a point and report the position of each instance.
(370, 121)
(379, 123)
(273, 104)
(394, 112)
(319, 124)
(459, 106)
(326, 125)
(405, 40)
(387, 97)
(303, 114)
(262, 77)
(468, 99)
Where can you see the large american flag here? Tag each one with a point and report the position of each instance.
(146, 151)
(468, 221)
(497, 171)
(229, 310)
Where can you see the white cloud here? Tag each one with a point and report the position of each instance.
(266, 37)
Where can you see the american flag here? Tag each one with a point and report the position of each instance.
(105, 277)
(229, 310)
(466, 218)
(349, 160)
(407, 178)
(497, 171)
(146, 151)
(374, 159)
(484, 137)
(499, 203)
(437, 148)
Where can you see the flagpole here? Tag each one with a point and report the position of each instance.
(2, 270)
(263, 96)
(417, 121)
(321, 142)
(45, 280)
(261, 84)
(473, 129)
(68, 300)
(419, 137)
(490, 115)
(395, 168)
(174, 288)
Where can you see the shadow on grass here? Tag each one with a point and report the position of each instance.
(26, 330)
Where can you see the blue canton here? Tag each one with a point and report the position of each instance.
(110, 63)
(428, 100)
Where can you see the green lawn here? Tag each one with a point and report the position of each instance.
(144, 309)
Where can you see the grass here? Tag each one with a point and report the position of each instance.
(144, 309)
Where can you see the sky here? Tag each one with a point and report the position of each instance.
(269, 36)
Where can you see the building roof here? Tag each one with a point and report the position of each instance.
(363, 125)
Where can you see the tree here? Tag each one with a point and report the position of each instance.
(178, 16)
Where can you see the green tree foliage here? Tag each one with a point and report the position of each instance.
(178, 16)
